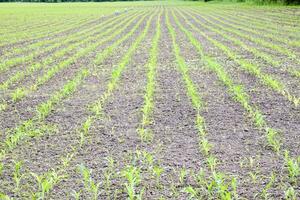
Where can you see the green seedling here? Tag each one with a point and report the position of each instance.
(273, 139)
(85, 129)
(76, 195)
(212, 163)
(18, 94)
(264, 193)
(108, 174)
(45, 183)
(253, 176)
(234, 185)
(145, 134)
(193, 193)
(290, 194)
(67, 159)
(183, 175)
(17, 175)
(293, 166)
(133, 178)
(89, 184)
(205, 146)
(157, 171)
(3, 106)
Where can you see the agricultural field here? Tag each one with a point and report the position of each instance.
(149, 100)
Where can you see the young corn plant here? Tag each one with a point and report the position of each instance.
(273, 139)
(76, 195)
(4, 196)
(85, 129)
(212, 163)
(133, 178)
(293, 167)
(108, 175)
(193, 192)
(183, 173)
(205, 146)
(157, 171)
(265, 192)
(89, 184)
(17, 175)
(45, 183)
(290, 194)
(18, 94)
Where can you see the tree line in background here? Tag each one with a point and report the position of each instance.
(261, 2)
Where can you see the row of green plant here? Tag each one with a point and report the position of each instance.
(259, 31)
(46, 63)
(27, 36)
(21, 92)
(251, 68)
(18, 76)
(43, 46)
(291, 69)
(256, 52)
(98, 105)
(218, 184)
(58, 44)
(36, 127)
(257, 40)
(23, 34)
(29, 128)
(274, 16)
(43, 109)
(287, 42)
(32, 26)
(61, 172)
(260, 24)
(138, 175)
(40, 184)
(272, 136)
(143, 130)
(28, 25)
(235, 30)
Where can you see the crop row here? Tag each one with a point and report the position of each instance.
(144, 132)
(239, 94)
(219, 187)
(27, 36)
(256, 52)
(236, 30)
(55, 176)
(83, 40)
(43, 46)
(258, 28)
(51, 45)
(91, 48)
(21, 92)
(249, 67)
(262, 26)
